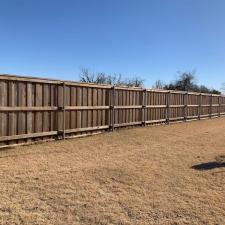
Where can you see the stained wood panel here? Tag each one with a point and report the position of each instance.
(33, 109)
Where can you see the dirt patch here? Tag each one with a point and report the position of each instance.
(154, 175)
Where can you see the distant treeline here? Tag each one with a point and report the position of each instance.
(185, 82)
(87, 76)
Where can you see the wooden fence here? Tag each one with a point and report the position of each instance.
(33, 109)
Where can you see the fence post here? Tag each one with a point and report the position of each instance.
(144, 98)
(61, 109)
(112, 108)
(64, 110)
(211, 106)
(219, 108)
(168, 107)
(185, 105)
(199, 106)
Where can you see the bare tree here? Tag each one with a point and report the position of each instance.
(86, 76)
(159, 84)
(110, 79)
(186, 82)
(132, 82)
(137, 82)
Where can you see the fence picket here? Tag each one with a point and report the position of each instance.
(34, 109)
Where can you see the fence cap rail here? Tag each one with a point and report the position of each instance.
(32, 79)
(9, 77)
(129, 88)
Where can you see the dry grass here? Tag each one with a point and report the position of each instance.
(220, 159)
(156, 175)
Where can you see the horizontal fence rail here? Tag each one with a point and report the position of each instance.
(33, 109)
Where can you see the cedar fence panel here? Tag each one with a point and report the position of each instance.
(34, 109)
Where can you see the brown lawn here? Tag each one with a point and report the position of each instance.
(132, 176)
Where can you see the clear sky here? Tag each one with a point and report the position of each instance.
(150, 38)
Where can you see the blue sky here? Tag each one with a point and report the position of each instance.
(150, 38)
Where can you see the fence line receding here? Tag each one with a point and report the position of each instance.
(33, 109)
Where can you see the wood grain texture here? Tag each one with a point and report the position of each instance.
(33, 109)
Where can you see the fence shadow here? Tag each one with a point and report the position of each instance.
(208, 166)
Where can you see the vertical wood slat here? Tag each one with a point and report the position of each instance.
(84, 103)
(219, 108)
(20, 103)
(64, 111)
(29, 94)
(54, 99)
(95, 103)
(131, 110)
(38, 123)
(99, 112)
(123, 102)
(112, 108)
(168, 107)
(103, 104)
(66, 102)
(29, 114)
(120, 111)
(61, 113)
(90, 103)
(3, 116)
(199, 106)
(144, 103)
(12, 116)
(185, 106)
(22, 115)
(107, 103)
(73, 98)
(211, 101)
(46, 102)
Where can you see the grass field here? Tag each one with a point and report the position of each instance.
(153, 175)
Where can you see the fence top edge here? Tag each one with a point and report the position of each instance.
(32, 79)
(129, 88)
(27, 79)
(49, 81)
